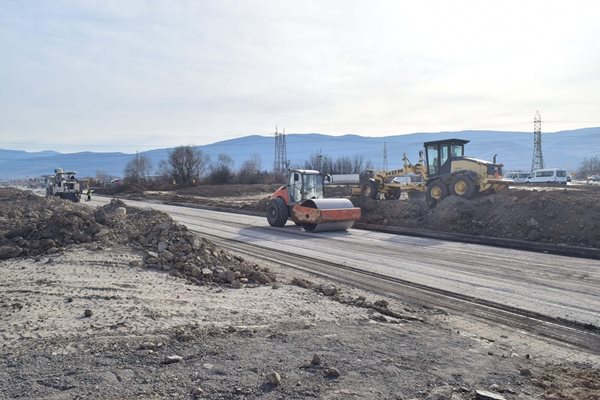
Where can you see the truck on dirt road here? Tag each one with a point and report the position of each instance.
(63, 184)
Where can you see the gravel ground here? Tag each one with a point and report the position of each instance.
(148, 334)
(91, 320)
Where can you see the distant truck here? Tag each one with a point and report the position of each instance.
(63, 184)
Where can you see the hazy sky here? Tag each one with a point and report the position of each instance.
(126, 75)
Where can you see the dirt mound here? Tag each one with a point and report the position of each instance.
(569, 383)
(33, 226)
(564, 216)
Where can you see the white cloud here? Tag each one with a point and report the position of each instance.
(142, 74)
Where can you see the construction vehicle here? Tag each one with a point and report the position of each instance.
(301, 201)
(442, 170)
(63, 184)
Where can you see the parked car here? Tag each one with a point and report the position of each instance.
(550, 175)
(594, 178)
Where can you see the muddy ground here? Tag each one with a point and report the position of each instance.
(561, 215)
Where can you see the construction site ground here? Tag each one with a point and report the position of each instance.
(560, 215)
(89, 317)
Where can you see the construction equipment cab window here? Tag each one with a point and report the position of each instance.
(305, 186)
(440, 156)
(432, 160)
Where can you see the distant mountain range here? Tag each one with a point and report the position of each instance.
(565, 149)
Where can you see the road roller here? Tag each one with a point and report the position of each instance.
(301, 201)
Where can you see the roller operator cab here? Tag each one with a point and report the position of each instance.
(301, 200)
(450, 172)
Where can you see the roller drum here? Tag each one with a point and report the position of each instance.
(328, 204)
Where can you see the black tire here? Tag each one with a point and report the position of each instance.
(436, 191)
(462, 186)
(416, 196)
(370, 190)
(393, 194)
(277, 212)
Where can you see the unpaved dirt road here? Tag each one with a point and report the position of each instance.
(556, 286)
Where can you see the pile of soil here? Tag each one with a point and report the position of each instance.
(34, 226)
(565, 216)
(562, 382)
(553, 215)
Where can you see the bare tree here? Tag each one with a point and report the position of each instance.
(341, 165)
(186, 164)
(249, 171)
(137, 169)
(358, 164)
(589, 166)
(222, 170)
(319, 162)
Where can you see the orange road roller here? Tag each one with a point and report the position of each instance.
(301, 201)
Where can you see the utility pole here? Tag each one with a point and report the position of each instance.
(276, 157)
(283, 153)
(280, 160)
(538, 157)
(385, 157)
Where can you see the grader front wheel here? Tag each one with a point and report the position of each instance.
(462, 186)
(436, 191)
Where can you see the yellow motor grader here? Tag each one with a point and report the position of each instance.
(442, 170)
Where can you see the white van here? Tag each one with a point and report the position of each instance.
(551, 175)
(517, 176)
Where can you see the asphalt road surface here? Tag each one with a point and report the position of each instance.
(552, 285)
